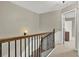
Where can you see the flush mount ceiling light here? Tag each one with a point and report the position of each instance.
(63, 1)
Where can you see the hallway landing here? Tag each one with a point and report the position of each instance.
(62, 51)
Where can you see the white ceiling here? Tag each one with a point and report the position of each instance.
(41, 6)
(70, 14)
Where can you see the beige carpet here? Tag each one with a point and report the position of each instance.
(62, 51)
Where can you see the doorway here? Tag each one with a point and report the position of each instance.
(69, 29)
(69, 40)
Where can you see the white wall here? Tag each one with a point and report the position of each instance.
(14, 20)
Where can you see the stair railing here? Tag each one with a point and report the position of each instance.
(30, 45)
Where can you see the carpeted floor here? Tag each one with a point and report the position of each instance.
(62, 51)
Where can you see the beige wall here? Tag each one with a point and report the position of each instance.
(50, 20)
(14, 20)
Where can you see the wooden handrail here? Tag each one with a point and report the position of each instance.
(3, 40)
(49, 33)
(35, 43)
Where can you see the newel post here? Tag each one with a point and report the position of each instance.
(53, 38)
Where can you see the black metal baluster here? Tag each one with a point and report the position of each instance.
(32, 46)
(50, 41)
(47, 43)
(8, 49)
(15, 49)
(0, 49)
(29, 47)
(49, 38)
(25, 47)
(20, 47)
(41, 42)
(37, 46)
(53, 37)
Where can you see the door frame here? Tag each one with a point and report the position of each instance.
(63, 20)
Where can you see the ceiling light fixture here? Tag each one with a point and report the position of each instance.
(63, 1)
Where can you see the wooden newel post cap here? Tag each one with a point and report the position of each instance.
(25, 33)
